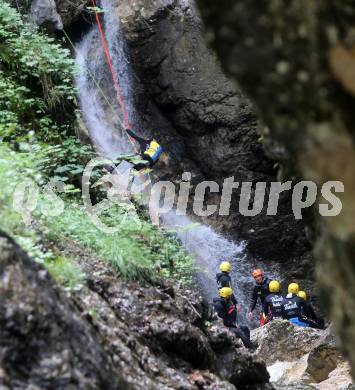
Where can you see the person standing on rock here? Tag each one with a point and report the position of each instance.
(309, 315)
(226, 310)
(224, 279)
(273, 302)
(260, 290)
(294, 307)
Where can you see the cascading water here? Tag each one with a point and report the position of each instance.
(206, 246)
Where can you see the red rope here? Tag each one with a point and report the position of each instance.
(109, 62)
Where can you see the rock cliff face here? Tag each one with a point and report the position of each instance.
(215, 123)
(109, 335)
(299, 55)
(205, 123)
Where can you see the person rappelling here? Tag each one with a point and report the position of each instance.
(150, 151)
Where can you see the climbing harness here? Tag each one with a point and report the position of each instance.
(154, 151)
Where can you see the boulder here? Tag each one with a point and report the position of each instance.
(44, 13)
(298, 356)
(279, 340)
(53, 14)
(44, 342)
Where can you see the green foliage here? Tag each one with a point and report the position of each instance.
(69, 275)
(135, 251)
(14, 168)
(64, 162)
(35, 81)
(36, 120)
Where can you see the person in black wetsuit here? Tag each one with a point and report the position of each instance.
(260, 290)
(273, 302)
(309, 315)
(227, 311)
(150, 151)
(224, 280)
(293, 307)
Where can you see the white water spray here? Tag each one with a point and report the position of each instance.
(206, 246)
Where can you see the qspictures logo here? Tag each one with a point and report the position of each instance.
(121, 185)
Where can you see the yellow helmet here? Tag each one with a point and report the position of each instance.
(302, 294)
(225, 266)
(293, 288)
(225, 292)
(274, 286)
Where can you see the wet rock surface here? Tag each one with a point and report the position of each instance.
(44, 342)
(206, 125)
(209, 128)
(298, 357)
(110, 334)
(299, 56)
(169, 322)
(214, 123)
(45, 14)
(53, 15)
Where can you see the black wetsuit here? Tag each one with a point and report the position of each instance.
(272, 306)
(293, 307)
(227, 311)
(143, 145)
(309, 316)
(224, 280)
(260, 291)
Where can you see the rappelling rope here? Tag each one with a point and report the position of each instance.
(126, 124)
(113, 74)
(96, 83)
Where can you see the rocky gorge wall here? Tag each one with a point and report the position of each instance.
(144, 334)
(216, 124)
(110, 334)
(205, 123)
(299, 55)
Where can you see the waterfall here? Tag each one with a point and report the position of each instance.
(207, 247)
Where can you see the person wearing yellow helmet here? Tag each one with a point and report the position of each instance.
(293, 288)
(224, 279)
(309, 316)
(273, 302)
(226, 310)
(293, 307)
(303, 295)
(225, 292)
